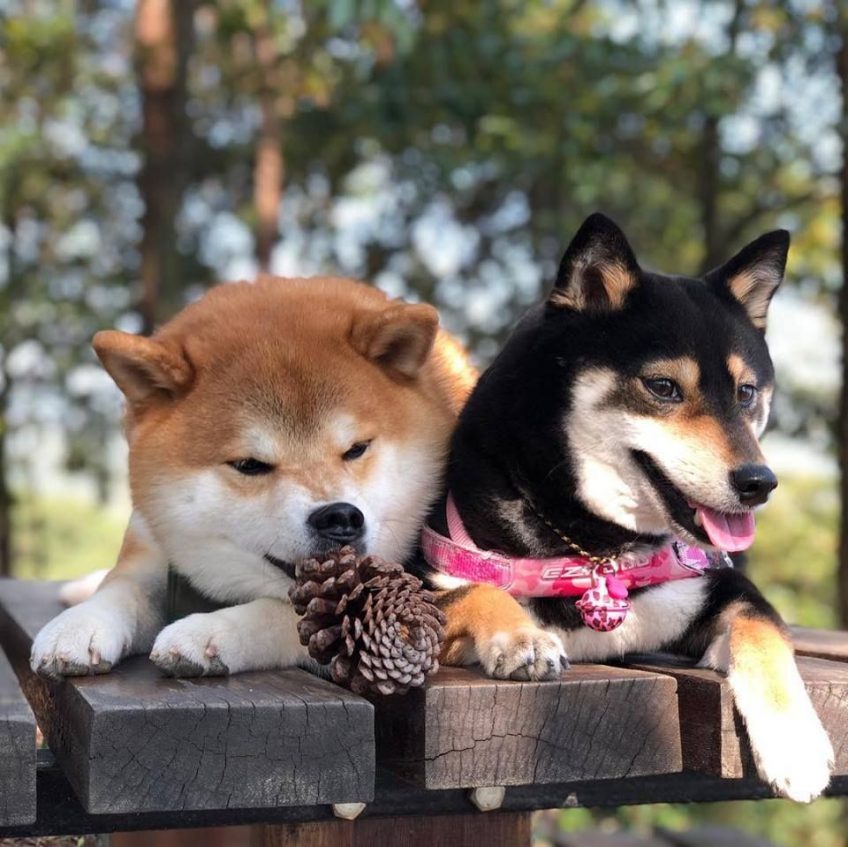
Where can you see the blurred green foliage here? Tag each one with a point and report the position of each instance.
(65, 537)
(794, 557)
(785, 824)
(445, 151)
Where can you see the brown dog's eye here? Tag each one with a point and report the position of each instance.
(746, 395)
(251, 467)
(356, 451)
(664, 389)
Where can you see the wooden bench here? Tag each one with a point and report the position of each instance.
(133, 750)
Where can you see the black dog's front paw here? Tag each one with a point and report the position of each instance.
(525, 655)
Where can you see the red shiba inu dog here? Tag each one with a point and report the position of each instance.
(267, 422)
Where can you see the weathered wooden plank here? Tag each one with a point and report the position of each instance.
(713, 734)
(134, 741)
(17, 751)
(465, 730)
(820, 643)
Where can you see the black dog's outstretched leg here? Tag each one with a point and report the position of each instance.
(751, 645)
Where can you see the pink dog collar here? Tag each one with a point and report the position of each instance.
(602, 589)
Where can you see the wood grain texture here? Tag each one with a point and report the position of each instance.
(464, 730)
(492, 829)
(134, 741)
(712, 732)
(17, 751)
(820, 643)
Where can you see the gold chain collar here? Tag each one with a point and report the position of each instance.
(595, 560)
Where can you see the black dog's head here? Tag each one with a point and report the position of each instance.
(638, 398)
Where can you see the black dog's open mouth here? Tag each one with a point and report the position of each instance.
(676, 503)
(729, 531)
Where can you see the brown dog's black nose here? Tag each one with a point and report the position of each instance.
(341, 522)
(753, 483)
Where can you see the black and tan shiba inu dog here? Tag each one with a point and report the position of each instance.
(613, 441)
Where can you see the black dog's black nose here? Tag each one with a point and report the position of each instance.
(338, 522)
(753, 483)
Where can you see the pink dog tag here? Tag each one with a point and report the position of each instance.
(603, 609)
(616, 588)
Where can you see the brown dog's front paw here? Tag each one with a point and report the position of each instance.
(190, 647)
(525, 654)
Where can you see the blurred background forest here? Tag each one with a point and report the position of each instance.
(445, 150)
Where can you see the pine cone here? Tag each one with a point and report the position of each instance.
(369, 619)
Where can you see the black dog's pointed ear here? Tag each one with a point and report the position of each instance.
(597, 270)
(754, 273)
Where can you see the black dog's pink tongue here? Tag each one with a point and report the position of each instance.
(729, 532)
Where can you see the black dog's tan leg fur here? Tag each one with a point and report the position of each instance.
(486, 624)
(791, 749)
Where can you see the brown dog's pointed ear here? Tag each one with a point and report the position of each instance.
(399, 338)
(142, 367)
(598, 269)
(754, 274)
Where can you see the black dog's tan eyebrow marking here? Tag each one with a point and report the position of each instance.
(740, 370)
(628, 395)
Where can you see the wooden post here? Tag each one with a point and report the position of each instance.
(221, 836)
(493, 829)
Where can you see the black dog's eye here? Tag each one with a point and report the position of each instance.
(251, 467)
(665, 389)
(356, 451)
(746, 395)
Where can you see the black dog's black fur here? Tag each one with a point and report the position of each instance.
(513, 478)
(509, 439)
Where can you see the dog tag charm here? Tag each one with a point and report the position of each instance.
(601, 609)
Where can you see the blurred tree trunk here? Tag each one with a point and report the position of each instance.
(708, 189)
(709, 175)
(163, 41)
(13, 290)
(269, 166)
(5, 492)
(842, 422)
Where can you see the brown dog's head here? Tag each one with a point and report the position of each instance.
(272, 421)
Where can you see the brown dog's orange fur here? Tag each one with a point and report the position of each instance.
(255, 408)
(307, 328)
